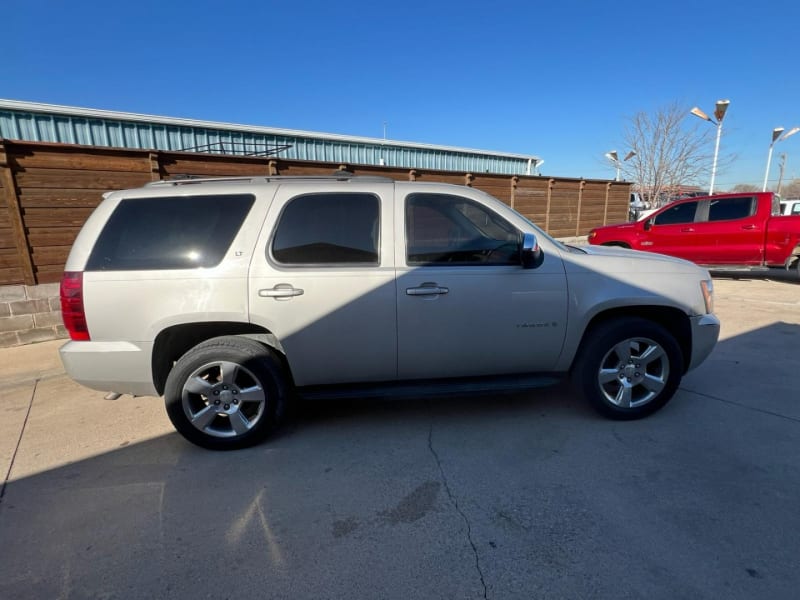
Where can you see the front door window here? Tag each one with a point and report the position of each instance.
(450, 230)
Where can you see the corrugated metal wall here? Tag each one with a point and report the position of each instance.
(47, 123)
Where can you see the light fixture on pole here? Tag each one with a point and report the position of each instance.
(614, 158)
(719, 113)
(776, 137)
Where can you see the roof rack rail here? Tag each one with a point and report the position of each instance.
(338, 176)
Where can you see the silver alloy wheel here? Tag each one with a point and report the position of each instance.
(633, 373)
(223, 399)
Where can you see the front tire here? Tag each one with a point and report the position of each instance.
(628, 368)
(226, 393)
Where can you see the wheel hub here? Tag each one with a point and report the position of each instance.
(631, 373)
(225, 398)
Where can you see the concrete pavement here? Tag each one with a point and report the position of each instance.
(49, 420)
(521, 496)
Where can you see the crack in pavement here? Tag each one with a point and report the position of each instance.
(740, 405)
(454, 502)
(34, 377)
(19, 441)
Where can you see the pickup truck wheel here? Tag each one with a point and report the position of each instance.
(226, 393)
(628, 368)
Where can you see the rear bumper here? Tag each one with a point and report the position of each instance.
(122, 367)
(705, 333)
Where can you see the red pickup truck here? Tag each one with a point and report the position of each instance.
(728, 230)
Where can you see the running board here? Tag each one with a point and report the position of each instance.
(430, 387)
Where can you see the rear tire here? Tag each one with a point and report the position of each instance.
(226, 393)
(628, 368)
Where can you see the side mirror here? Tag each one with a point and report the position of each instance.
(648, 225)
(531, 254)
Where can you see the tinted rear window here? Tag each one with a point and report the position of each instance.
(728, 209)
(181, 232)
(328, 228)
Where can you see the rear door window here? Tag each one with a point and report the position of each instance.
(328, 229)
(178, 232)
(729, 209)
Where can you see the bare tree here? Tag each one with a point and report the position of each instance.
(745, 187)
(671, 152)
(791, 189)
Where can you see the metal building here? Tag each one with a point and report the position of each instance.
(36, 122)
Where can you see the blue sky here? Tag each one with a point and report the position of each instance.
(553, 79)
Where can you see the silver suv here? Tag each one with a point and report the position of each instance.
(229, 296)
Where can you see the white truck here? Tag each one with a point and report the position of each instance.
(790, 207)
(229, 296)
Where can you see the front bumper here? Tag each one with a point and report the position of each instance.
(705, 333)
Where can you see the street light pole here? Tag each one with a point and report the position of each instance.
(719, 113)
(776, 137)
(614, 158)
(776, 133)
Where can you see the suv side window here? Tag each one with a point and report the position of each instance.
(728, 209)
(680, 213)
(451, 230)
(180, 232)
(327, 229)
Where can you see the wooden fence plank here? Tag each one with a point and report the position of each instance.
(6, 238)
(80, 161)
(55, 197)
(56, 217)
(9, 258)
(208, 168)
(49, 273)
(50, 255)
(52, 236)
(65, 178)
(12, 276)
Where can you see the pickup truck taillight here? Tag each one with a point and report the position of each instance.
(72, 305)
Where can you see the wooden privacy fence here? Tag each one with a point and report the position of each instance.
(47, 191)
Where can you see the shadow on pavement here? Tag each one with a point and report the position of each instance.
(782, 275)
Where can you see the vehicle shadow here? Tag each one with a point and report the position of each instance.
(163, 518)
(782, 275)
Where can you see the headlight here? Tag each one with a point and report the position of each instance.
(707, 286)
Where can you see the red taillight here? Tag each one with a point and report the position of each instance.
(72, 305)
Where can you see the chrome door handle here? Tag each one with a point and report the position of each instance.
(427, 291)
(283, 290)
